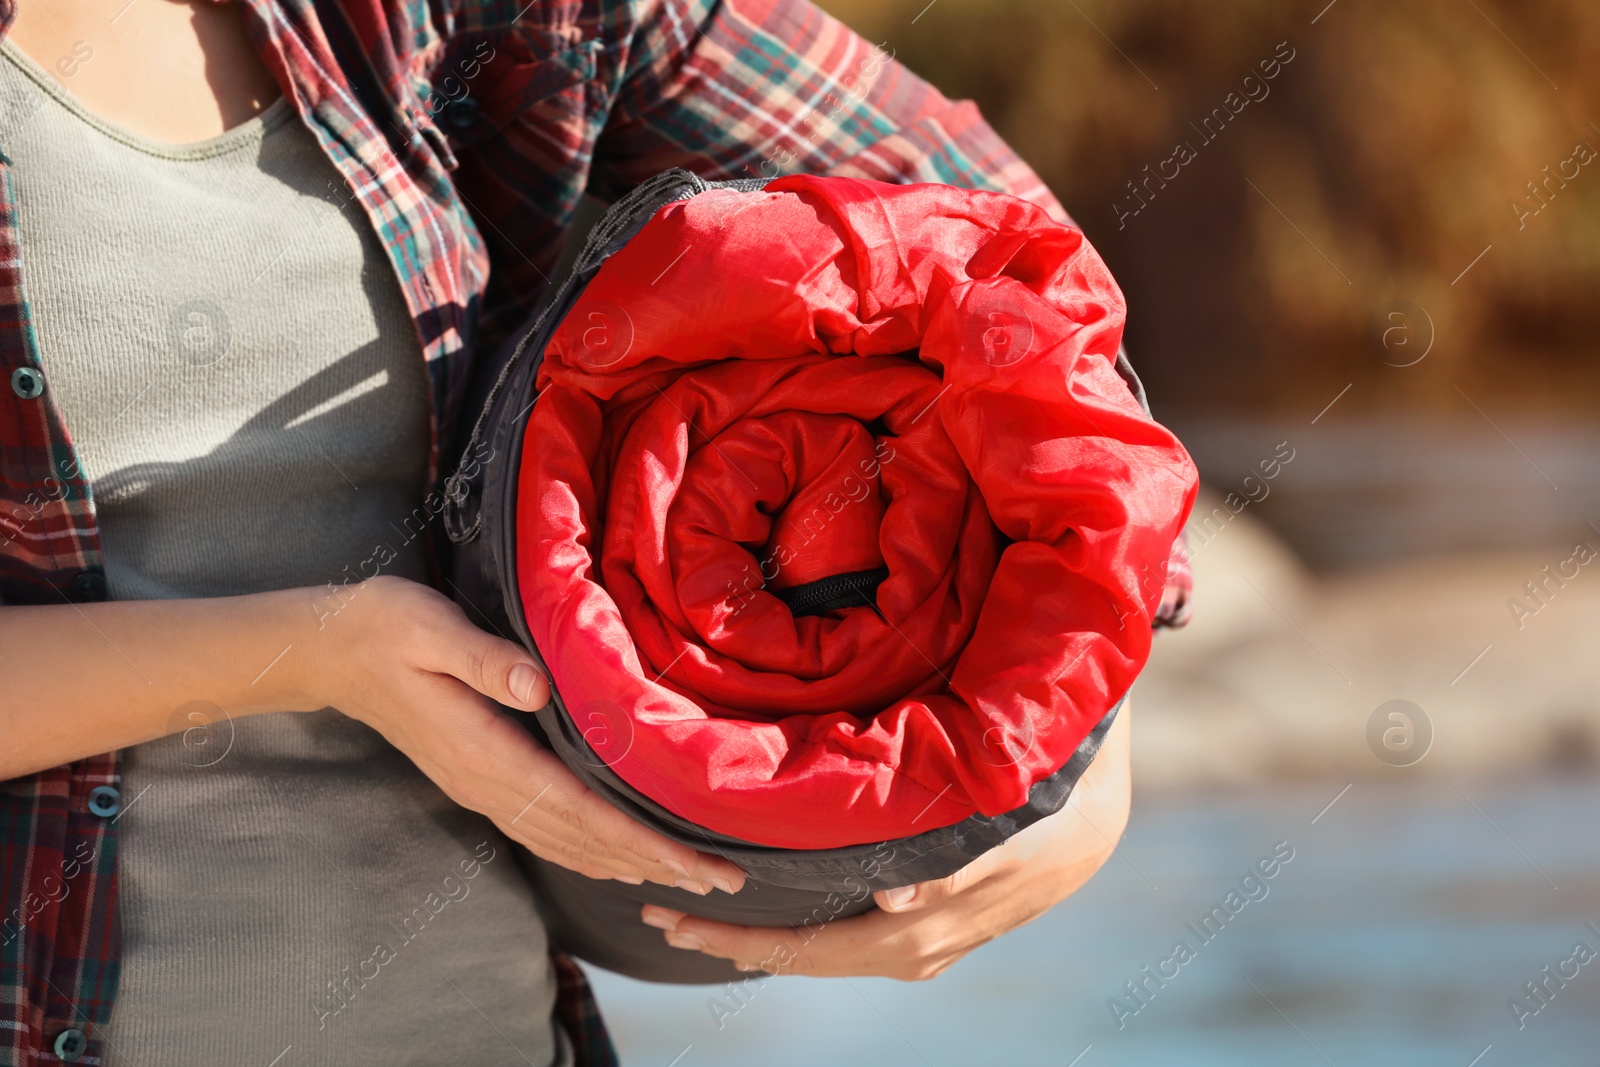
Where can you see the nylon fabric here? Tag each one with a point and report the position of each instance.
(830, 375)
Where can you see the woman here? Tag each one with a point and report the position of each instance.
(248, 263)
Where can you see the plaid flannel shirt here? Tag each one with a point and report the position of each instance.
(467, 131)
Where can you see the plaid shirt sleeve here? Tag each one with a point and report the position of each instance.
(752, 88)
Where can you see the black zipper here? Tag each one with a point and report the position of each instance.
(837, 591)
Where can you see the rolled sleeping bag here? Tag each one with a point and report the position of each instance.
(830, 507)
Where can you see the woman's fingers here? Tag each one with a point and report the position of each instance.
(911, 897)
(571, 856)
(499, 669)
(878, 943)
(556, 839)
(776, 950)
(661, 860)
(568, 810)
(492, 765)
(542, 804)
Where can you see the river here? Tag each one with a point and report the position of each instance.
(1408, 918)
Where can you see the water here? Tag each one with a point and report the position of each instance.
(1406, 920)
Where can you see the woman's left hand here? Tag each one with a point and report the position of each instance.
(919, 931)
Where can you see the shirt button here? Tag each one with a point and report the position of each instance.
(87, 586)
(27, 383)
(71, 1044)
(105, 801)
(461, 113)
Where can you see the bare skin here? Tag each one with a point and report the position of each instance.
(400, 657)
(85, 679)
(170, 70)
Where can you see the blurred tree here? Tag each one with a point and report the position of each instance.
(1398, 145)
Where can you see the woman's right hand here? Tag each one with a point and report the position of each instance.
(82, 679)
(404, 659)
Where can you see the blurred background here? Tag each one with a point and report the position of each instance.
(1362, 287)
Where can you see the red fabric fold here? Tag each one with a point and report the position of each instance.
(831, 375)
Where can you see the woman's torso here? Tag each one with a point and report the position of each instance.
(244, 386)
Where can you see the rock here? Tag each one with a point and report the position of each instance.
(1279, 672)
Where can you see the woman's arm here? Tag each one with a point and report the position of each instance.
(761, 88)
(922, 930)
(396, 655)
(82, 680)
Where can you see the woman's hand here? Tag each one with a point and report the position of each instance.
(81, 679)
(403, 659)
(921, 930)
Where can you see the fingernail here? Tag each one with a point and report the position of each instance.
(675, 867)
(630, 881)
(744, 965)
(524, 677)
(724, 885)
(688, 941)
(899, 897)
(701, 888)
(659, 921)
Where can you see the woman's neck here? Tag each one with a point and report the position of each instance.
(176, 71)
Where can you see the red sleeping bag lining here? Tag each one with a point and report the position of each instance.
(762, 389)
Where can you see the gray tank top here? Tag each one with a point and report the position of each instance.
(239, 372)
